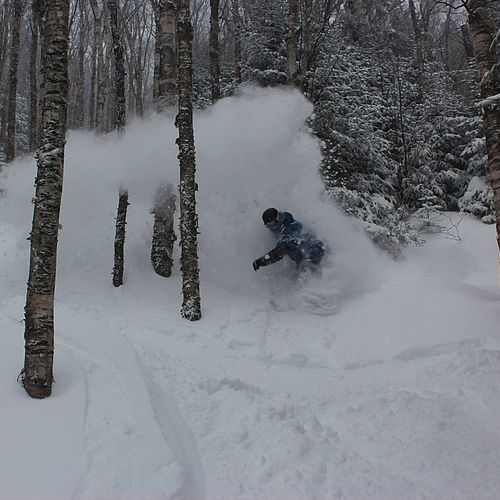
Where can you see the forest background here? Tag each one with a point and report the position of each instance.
(393, 84)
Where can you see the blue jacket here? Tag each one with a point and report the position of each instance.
(299, 246)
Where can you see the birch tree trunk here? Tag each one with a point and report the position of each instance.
(163, 231)
(191, 303)
(162, 242)
(119, 123)
(39, 311)
(214, 50)
(483, 31)
(166, 96)
(293, 26)
(10, 150)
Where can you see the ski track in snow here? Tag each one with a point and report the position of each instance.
(225, 419)
(127, 418)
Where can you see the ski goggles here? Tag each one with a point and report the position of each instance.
(273, 225)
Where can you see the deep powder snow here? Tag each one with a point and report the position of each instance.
(379, 380)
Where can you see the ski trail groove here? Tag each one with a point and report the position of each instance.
(179, 437)
(120, 425)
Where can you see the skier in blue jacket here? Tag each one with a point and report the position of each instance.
(300, 247)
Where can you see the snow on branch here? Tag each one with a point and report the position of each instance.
(490, 103)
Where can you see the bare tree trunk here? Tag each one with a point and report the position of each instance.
(163, 233)
(293, 24)
(109, 91)
(133, 31)
(483, 31)
(305, 54)
(80, 83)
(237, 41)
(191, 304)
(356, 8)
(101, 73)
(33, 119)
(121, 222)
(165, 99)
(156, 57)
(119, 115)
(5, 22)
(166, 96)
(469, 49)
(417, 30)
(139, 100)
(425, 14)
(214, 50)
(39, 311)
(10, 150)
(93, 85)
(119, 122)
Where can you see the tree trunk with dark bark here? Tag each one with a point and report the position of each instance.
(483, 30)
(99, 121)
(118, 53)
(33, 117)
(119, 123)
(10, 150)
(417, 31)
(191, 303)
(5, 22)
(163, 231)
(469, 49)
(237, 41)
(292, 39)
(356, 9)
(305, 54)
(37, 375)
(214, 50)
(80, 83)
(121, 222)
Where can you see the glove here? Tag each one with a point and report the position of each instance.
(257, 263)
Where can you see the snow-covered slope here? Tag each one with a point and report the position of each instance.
(390, 390)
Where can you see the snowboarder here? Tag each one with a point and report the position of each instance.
(301, 248)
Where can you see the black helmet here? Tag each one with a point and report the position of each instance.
(269, 215)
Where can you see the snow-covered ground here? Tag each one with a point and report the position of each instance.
(381, 380)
